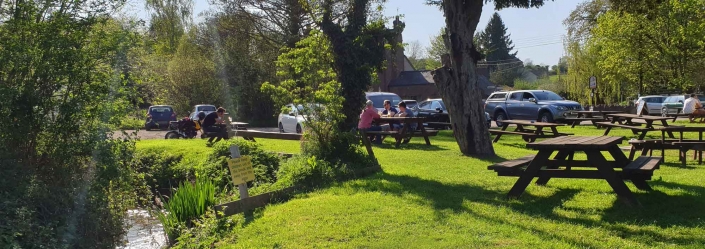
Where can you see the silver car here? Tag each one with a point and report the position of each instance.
(653, 104)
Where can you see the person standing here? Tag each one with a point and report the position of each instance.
(213, 123)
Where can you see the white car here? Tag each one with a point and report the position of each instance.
(207, 109)
(290, 120)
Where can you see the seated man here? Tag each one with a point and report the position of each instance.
(693, 107)
(405, 112)
(214, 123)
(366, 117)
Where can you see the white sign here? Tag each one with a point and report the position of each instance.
(593, 82)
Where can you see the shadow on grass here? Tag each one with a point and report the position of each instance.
(409, 146)
(659, 209)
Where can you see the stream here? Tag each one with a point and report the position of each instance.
(145, 231)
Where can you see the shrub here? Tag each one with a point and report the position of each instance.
(131, 123)
(308, 172)
(161, 169)
(340, 148)
(265, 163)
(189, 202)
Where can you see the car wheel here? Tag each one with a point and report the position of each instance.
(664, 112)
(499, 117)
(172, 135)
(298, 128)
(281, 127)
(546, 117)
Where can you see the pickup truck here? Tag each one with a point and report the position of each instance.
(545, 106)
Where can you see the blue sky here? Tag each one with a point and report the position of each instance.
(537, 33)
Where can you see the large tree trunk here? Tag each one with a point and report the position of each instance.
(457, 81)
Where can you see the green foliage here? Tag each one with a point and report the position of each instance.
(169, 19)
(309, 172)
(65, 79)
(659, 50)
(189, 202)
(131, 123)
(207, 230)
(494, 42)
(524, 85)
(192, 78)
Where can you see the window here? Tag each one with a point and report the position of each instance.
(160, 110)
(205, 109)
(516, 96)
(436, 105)
(654, 100)
(547, 96)
(425, 105)
(527, 96)
(498, 96)
(378, 100)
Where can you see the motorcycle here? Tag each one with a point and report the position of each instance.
(184, 128)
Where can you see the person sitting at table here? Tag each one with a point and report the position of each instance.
(389, 111)
(368, 115)
(405, 112)
(693, 108)
(213, 123)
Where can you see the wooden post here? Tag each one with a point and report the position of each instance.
(235, 153)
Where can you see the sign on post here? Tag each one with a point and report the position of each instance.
(593, 82)
(241, 170)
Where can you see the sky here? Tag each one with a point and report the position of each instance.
(536, 33)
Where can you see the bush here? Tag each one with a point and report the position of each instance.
(131, 123)
(190, 201)
(265, 163)
(308, 172)
(341, 148)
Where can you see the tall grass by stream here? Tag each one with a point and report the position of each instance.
(190, 201)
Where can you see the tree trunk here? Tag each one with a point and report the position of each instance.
(457, 80)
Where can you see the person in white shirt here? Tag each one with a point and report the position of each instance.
(693, 107)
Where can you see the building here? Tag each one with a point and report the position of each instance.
(402, 78)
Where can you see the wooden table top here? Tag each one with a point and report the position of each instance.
(530, 123)
(577, 143)
(598, 112)
(401, 118)
(644, 117)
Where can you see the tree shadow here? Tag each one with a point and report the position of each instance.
(658, 208)
(409, 146)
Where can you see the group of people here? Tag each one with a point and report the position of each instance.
(370, 113)
(694, 108)
(213, 123)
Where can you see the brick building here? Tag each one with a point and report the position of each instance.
(402, 78)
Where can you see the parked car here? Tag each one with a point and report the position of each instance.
(201, 108)
(545, 106)
(159, 116)
(653, 104)
(674, 104)
(410, 103)
(435, 111)
(378, 99)
(290, 119)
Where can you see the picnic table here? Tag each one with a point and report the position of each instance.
(626, 121)
(591, 116)
(528, 135)
(561, 166)
(405, 132)
(685, 145)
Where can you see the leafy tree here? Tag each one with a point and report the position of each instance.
(169, 19)
(494, 42)
(192, 78)
(436, 49)
(358, 38)
(457, 81)
(65, 183)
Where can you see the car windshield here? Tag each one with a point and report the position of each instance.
(378, 100)
(547, 96)
(160, 109)
(206, 108)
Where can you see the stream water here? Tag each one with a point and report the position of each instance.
(145, 231)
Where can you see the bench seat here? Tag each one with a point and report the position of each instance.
(643, 165)
(430, 133)
(511, 165)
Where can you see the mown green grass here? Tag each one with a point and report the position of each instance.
(434, 197)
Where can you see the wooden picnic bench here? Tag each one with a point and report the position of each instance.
(251, 135)
(598, 167)
(626, 121)
(406, 132)
(592, 116)
(685, 145)
(528, 135)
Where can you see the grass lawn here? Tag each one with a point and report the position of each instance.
(434, 197)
